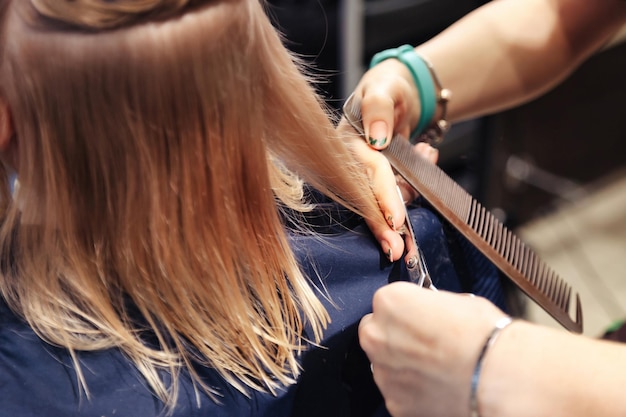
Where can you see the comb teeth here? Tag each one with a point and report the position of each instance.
(480, 227)
(511, 249)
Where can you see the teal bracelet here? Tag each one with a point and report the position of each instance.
(421, 76)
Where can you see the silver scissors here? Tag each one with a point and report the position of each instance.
(413, 255)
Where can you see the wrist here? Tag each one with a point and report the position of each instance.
(500, 325)
(517, 376)
(432, 97)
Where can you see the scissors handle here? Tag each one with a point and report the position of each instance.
(418, 271)
(414, 257)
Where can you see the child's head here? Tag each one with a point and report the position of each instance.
(146, 136)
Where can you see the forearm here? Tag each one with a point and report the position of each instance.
(511, 51)
(536, 371)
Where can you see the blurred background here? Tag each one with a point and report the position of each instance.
(553, 170)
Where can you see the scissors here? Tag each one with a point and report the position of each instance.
(413, 255)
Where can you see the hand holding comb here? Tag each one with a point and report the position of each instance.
(515, 259)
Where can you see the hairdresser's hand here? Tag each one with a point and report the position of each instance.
(385, 185)
(423, 347)
(389, 105)
(389, 102)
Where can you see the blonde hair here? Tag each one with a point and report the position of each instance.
(154, 147)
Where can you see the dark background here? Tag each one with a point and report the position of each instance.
(518, 163)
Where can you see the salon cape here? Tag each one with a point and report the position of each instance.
(39, 380)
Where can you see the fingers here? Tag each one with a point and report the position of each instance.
(388, 103)
(384, 333)
(395, 309)
(391, 203)
(423, 347)
(392, 207)
(378, 118)
(427, 151)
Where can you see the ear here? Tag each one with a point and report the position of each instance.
(7, 132)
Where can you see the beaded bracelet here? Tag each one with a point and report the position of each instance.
(427, 83)
(500, 325)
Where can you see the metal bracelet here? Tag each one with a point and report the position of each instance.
(500, 325)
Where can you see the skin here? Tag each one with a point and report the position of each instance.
(383, 183)
(424, 345)
(423, 349)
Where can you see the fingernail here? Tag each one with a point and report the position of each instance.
(377, 142)
(378, 133)
(390, 222)
(389, 255)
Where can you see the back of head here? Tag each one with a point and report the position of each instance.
(147, 135)
(102, 15)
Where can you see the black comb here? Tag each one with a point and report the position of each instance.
(514, 258)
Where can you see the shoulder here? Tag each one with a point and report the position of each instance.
(44, 374)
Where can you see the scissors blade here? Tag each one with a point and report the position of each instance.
(414, 257)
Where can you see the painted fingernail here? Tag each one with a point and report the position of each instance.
(378, 133)
(389, 255)
(390, 222)
(377, 142)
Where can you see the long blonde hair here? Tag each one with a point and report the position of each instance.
(153, 146)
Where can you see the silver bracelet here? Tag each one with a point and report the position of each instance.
(500, 325)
